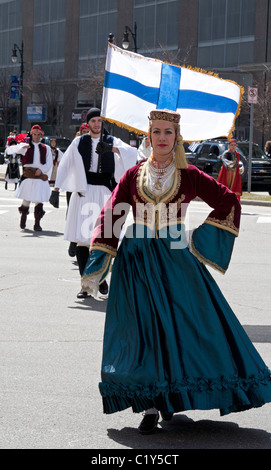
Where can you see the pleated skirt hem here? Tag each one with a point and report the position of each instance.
(227, 400)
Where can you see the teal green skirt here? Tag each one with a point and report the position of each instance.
(171, 340)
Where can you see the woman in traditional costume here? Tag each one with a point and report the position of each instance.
(171, 341)
(56, 155)
(13, 169)
(232, 169)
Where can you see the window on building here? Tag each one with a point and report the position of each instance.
(226, 29)
(157, 24)
(49, 33)
(10, 29)
(97, 19)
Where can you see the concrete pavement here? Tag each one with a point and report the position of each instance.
(51, 345)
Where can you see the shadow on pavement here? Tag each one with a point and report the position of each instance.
(184, 433)
(27, 233)
(90, 304)
(258, 333)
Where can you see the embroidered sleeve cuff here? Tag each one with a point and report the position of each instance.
(213, 246)
(104, 248)
(98, 266)
(226, 224)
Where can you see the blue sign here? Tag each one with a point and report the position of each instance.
(15, 87)
(36, 113)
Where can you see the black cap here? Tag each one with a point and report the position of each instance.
(93, 112)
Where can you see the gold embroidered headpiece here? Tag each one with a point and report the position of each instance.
(165, 115)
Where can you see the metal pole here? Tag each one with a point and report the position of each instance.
(250, 148)
(135, 37)
(21, 86)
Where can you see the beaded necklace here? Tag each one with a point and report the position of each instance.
(160, 172)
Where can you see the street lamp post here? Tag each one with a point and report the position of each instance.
(125, 39)
(111, 38)
(14, 59)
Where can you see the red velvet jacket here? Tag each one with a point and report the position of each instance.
(163, 210)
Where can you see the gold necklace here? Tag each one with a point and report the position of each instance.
(160, 175)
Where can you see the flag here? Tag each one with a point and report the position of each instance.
(193, 146)
(134, 85)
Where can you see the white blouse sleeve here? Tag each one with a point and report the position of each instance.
(127, 158)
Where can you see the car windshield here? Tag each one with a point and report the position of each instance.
(63, 143)
(223, 147)
(216, 149)
(257, 152)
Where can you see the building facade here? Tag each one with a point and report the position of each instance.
(61, 47)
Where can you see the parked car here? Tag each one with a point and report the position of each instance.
(61, 142)
(207, 158)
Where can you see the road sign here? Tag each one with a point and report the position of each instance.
(252, 95)
(36, 113)
(15, 87)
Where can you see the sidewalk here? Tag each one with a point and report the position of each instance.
(250, 202)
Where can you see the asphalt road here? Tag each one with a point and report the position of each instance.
(51, 344)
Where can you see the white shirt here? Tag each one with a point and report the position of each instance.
(46, 168)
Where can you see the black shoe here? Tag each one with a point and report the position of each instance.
(72, 249)
(103, 288)
(37, 228)
(148, 424)
(83, 294)
(166, 416)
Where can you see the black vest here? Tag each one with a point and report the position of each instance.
(106, 162)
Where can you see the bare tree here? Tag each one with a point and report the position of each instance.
(93, 81)
(47, 88)
(262, 120)
(174, 57)
(4, 100)
(262, 110)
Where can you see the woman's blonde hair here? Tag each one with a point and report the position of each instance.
(267, 146)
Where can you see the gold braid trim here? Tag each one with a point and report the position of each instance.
(204, 260)
(102, 270)
(219, 224)
(226, 224)
(145, 193)
(105, 248)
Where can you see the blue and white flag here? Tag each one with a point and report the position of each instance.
(134, 85)
(193, 146)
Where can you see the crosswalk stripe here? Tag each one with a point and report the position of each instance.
(264, 220)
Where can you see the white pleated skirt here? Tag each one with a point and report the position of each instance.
(33, 190)
(83, 212)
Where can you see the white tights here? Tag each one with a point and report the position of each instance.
(27, 203)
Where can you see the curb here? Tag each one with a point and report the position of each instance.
(251, 202)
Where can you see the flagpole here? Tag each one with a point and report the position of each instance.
(99, 156)
(102, 131)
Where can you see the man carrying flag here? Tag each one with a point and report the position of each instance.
(90, 169)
